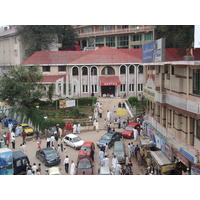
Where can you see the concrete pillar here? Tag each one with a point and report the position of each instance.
(172, 119)
(167, 118)
(188, 82)
(170, 81)
(188, 129)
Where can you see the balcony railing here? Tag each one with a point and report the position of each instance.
(190, 105)
(171, 138)
(116, 31)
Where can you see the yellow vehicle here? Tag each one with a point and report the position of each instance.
(27, 129)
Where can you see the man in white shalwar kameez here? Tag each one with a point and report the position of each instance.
(74, 128)
(114, 163)
(101, 157)
(117, 169)
(72, 168)
(135, 133)
(108, 115)
(106, 161)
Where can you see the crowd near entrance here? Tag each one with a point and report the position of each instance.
(108, 90)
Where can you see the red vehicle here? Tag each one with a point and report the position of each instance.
(86, 146)
(128, 131)
(84, 165)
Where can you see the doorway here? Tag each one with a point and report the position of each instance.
(108, 90)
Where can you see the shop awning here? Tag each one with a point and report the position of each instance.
(109, 80)
(160, 158)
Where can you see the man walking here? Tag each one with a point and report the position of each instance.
(66, 164)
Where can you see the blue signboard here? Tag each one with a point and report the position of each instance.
(187, 155)
(154, 51)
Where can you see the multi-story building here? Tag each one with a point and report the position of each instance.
(173, 119)
(115, 36)
(117, 72)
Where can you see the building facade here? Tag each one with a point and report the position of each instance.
(172, 90)
(115, 36)
(106, 71)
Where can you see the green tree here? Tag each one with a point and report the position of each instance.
(177, 36)
(51, 91)
(19, 87)
(40, 37)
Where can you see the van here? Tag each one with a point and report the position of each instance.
(20, 161)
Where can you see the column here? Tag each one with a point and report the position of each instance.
(170, 76)
(188, 129)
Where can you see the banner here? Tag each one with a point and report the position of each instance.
(150, 94)
(67, 104)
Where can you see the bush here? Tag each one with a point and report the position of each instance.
(84, 101)
(133, 101)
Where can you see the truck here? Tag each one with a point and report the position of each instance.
(6, 161)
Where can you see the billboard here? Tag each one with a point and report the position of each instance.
(67, 103)
(154, 51)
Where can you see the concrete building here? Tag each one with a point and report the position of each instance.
(117, 72)
(115, 36)
(173, 119)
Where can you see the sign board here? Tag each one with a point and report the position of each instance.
(67, 104)
(121, 112)
(154, 51)
(187, 155)
(150, 94)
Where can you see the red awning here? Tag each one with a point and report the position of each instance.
(109, 80)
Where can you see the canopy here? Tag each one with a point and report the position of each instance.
(109, 80)
(160, 158)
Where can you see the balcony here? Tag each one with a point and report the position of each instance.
(181, 102)
(117, 31)
(190, 152)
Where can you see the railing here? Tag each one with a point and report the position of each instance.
(191, 105)
(131, 110)
(113, 31)
(170, 137)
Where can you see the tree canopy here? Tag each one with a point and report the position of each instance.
(40, 37)
(177, 36)
(19, 87)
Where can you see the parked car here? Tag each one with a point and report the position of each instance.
(2, 116)
(119, 152)
(48, 156)
(84, 165)
(10, 120)
(104, 171)
(27, 129)
(109, 138)
(20, 161)
(88, 146)
(128, 131)
(73, 141)
(53, 171)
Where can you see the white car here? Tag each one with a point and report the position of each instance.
(53, 171)
(73, 141)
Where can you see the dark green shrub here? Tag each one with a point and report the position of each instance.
(84, 101)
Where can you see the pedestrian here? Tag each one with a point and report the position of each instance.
(136, 150)
(129, 150)
(59, 150)
(108, 115)
(135, 133)
(52, 140)
(119, 122)
(105, 124)
(79, 128)
(130, 165)
(8, 139)
(132, 149)
(100, 112)
(37, 172)
(74, 128)
(101, 156)
(65, 151)
(123, 105)
(48, 142)
(34, 167)
(24, 147)
(39, 142)
(106, 150)
(72, 168)
(114, 163)
(17, 131)
(29, 171)
(24, 136)
(92, 154)
(10, 127)
(106, 161)
(117, 169)
(61, 143)
(119, 105)
(13, 142)
(20, 129)
(96, 125)
(21, 148)
(4, 138)
(109, 128)
(123, 123)
(66, 164)
(127, 170)
(39, 168)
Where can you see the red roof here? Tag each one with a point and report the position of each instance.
(104, 55)
(52, 78)
(109, 80)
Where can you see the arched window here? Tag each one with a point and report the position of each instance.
(84, 71)
(75, 71)
(131, 69)
(108, 71)
(93, 71)
(122, 69)
(140, 69)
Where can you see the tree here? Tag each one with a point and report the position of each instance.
(41, 37)
(177, 36)
(19, 87)
(51, 91)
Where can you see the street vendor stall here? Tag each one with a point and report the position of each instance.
(161, 163)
